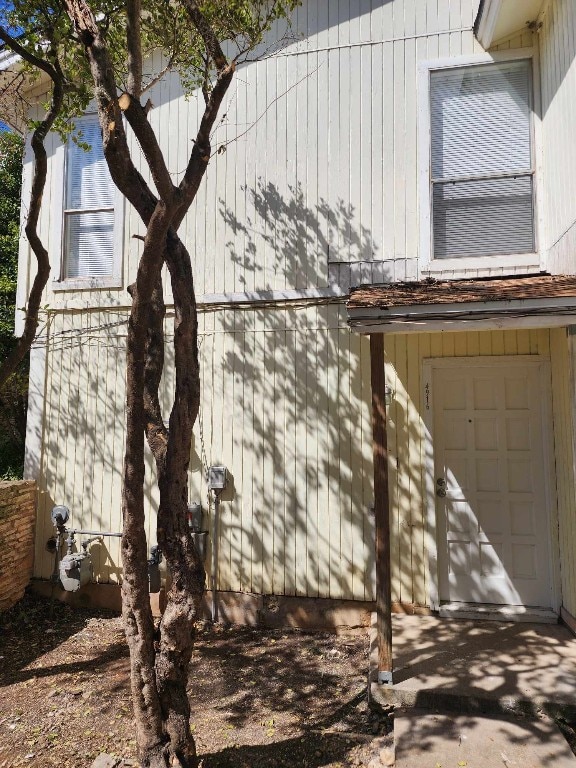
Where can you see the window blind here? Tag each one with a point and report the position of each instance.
(481, 160)
(89, 213)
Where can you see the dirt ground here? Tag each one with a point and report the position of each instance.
(260, 698)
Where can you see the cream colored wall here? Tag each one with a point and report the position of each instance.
(558, 84)
(286, 391)
(404, 356)
(298, 195)
(285, 406)
(565, 394)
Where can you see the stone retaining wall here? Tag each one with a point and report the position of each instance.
(17, 517)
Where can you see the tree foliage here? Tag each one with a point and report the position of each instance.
(11, 147)
(82, 51)
(14, 393)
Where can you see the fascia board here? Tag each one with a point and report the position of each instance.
(8, 59)
(469, 307)
(464, 316)
(489, 323)
(489, 12)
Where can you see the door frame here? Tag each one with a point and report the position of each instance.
(544, 363)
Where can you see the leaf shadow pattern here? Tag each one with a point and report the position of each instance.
(36, 626)
(286, 407)
(288, 242)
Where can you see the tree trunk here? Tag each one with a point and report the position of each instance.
(174, 538)
(136, 609)
(158, 678)
(22, 347)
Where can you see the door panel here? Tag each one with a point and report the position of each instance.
(490, 484)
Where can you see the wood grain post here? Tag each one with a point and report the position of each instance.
(381, 510)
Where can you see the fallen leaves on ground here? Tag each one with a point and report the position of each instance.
(260, 698)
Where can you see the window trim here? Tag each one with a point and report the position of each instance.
(428, 265)
(57, 244)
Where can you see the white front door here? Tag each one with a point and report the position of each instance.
(490, 483)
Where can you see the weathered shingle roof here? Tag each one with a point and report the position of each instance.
(388, 295)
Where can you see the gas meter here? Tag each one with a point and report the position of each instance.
(75, 571)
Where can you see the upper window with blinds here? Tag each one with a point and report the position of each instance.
(481, 160)
(88, 207)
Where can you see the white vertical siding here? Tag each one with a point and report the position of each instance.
(321, 160)
(558, 84)
(285, 406)
(290, 419)
(325, 178)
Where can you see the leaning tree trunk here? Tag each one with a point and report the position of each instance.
(158, 679)
(22, 347)
(136, 609)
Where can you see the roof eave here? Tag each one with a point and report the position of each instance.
(9, 61)
(485, 22)
(485, 315)
(498, 20)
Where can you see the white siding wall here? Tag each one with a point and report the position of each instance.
(285, 406)
(324, 170)
(322, 185)
(321, 171)
(558, 73)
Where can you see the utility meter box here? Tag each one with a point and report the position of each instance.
(217, 478)
(195, 516)
(76, 571)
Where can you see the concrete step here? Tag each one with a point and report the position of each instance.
(473, 702)
(425, 740)
(490, 612)
(479, 667)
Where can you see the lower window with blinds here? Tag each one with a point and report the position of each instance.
(481, 160)
(89, 206)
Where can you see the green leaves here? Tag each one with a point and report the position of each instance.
(164, 26)
(11, 147)
(13, 413)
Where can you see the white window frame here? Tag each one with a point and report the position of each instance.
(57, 239)
(428, 265)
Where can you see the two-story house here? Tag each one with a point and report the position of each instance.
(419, 149)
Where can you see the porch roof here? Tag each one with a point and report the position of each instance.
(487, 303)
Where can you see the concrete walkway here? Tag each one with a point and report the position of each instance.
(482, 667)
(425, 740)
(479, 694)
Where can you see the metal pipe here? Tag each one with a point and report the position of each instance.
(87, 542)
(93, 533)
(215, 554)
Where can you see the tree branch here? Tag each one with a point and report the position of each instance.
(134, 47)
(136, 116)
(200, 155)
(38, 183)
(207, 34)
(30, 58)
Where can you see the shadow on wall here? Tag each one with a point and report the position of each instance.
(290, 242)
(293, 387)
(286, 407)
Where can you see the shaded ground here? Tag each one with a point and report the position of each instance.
(260, 698)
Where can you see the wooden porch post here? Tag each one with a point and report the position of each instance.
(381, 510)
